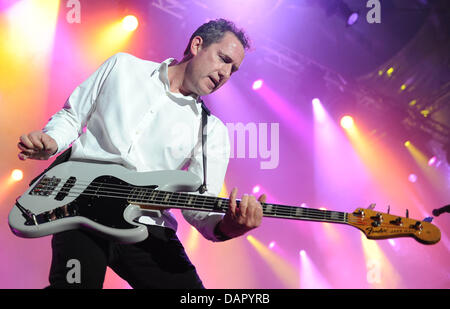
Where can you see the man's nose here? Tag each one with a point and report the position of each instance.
(225, 71)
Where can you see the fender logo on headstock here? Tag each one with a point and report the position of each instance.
(370, 230)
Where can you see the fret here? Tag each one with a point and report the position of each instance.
(132, 194)
(152, 198)
(166, 198)
(144, 197)
(209, 203)
(191, 198)
(177, 202)
(268, 208)
(299, 212)
(219, 204)
(141, 194)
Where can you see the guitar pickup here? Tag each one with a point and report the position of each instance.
(45, 186)
(65, 189)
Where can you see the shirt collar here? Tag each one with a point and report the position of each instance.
(162, 73)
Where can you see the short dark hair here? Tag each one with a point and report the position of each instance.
(214, 30)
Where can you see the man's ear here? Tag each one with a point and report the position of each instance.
(196, 45)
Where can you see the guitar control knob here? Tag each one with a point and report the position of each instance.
(379, 217)
(398, 221)
(418, 226)
(376, 223)
(359, 213)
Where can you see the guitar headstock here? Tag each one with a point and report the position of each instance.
(378, 225)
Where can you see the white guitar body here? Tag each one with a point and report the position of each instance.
(56, 203)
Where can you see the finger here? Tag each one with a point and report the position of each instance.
(262, 198)
(26, 141)
(22, 156)
(22, 147)
(48, 142)
(36, 140)
(254, 212)
(233, 204)
(258, 214)
(243, 206)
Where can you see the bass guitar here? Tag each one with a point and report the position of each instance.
(109, 198)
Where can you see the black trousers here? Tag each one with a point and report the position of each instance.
(80, 259)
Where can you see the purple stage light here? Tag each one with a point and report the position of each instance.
(352, 19)
(257, 84)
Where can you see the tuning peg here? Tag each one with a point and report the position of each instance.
(407, 213)
(389, 208)
(372, 206)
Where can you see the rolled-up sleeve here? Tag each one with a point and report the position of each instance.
(67, 124)
(218, 153)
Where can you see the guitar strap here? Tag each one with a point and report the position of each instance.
(205, 113)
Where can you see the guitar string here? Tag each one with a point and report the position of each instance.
(310, 213)
(280, 210)
(128, 189)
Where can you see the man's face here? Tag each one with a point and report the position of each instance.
(211, 67)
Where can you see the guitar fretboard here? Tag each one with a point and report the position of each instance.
(146, 196)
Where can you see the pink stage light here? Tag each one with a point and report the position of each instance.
(271, 245)
(432, 161)
(257, 84)
(319, 111)
(412, 178)
(256, 189)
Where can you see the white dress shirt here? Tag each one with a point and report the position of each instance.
(124, 113)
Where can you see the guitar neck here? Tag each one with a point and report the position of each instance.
(165, 199)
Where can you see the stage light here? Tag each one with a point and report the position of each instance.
(390, 71)
(412, 178)
(271, 245)
(17, 175)
(319, 111)
(130, 23)
(257, 84)
(347, 122)
(403, 87)
(352, 19)
(432, 161)
(407, 144)
(303, 253)
(256, 189)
